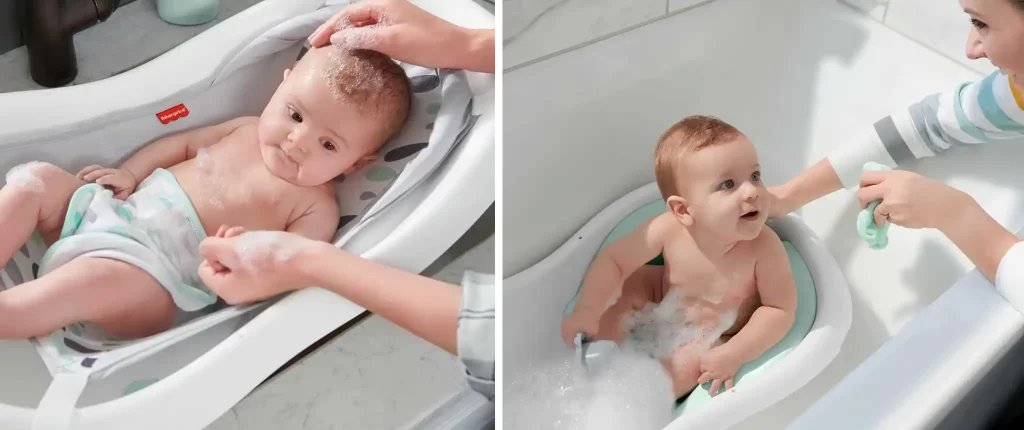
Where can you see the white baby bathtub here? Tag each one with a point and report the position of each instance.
(534, 300)
(205, 375)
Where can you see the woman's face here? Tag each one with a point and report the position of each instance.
(997, 33)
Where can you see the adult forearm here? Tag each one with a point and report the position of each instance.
(978, 236)
(767, 326)
(426, 307)
(477, 53)
(814, 183)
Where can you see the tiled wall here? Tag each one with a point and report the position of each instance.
(938, 24)
(540, 28)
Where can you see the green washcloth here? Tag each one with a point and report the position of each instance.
(866, 227)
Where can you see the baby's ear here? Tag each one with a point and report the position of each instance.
(363, 162)
(677, 205)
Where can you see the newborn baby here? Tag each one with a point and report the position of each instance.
(124, 242)
(727, 273)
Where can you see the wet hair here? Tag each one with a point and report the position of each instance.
(689, 135)
(373, 83)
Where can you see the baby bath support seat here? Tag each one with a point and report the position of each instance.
(533, 309)
(431, 183)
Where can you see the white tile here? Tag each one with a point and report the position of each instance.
(675, 5)
(940, 25)
(541, 27)
(874, 8)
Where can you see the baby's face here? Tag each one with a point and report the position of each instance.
(723, 191)
(308, 137)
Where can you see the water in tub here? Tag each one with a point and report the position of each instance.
(631, 390)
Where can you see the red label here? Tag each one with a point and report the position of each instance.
(172, 113)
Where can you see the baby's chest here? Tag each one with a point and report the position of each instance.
(731, 282)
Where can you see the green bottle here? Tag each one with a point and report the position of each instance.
(188, 12)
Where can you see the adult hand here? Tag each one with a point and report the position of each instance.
(406, 33)
(779, 204)
(911, 200)
(249, 267)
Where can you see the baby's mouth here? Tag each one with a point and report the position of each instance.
(750, 216)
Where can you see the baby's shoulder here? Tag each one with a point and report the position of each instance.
(767, 244)
(321, 196)
(245, 125)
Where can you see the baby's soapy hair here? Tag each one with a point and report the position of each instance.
(372, 82)
(692, 134)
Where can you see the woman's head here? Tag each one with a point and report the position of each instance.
(997, 33)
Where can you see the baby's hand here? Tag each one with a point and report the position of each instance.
(579, 322)
(120, 181)
(719, 365)
(226, 231)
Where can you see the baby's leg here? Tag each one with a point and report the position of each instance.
(39, 200)
(121, 299)
(640, 288)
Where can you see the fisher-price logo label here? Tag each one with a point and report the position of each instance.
(173, 113)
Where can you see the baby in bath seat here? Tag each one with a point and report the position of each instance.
(124, 241)
(726, 281)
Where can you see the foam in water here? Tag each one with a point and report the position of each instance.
(631, 389)
(256, 247)
(658, 329)
(23, 176)
(632, 392)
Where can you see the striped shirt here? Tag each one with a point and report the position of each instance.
(476, 332)
(983, 111)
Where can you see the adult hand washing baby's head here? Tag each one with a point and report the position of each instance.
(403, 31)
(246, 267)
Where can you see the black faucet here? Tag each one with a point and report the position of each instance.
(49, 30)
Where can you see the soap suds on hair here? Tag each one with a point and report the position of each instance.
(349, 77)
(23, 176)
(255, 248)
(348, 36)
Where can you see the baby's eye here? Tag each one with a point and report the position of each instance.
(297, 117)
(978, 24)
(329, 146)
(727, 185)
(755, 177)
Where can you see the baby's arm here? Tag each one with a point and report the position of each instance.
(603, 282)
(177, 148)
(319, 221)
(777, 289)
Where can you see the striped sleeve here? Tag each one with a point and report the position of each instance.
(476, 332)
(978, 112)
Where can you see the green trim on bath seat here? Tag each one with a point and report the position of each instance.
(805, 314)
